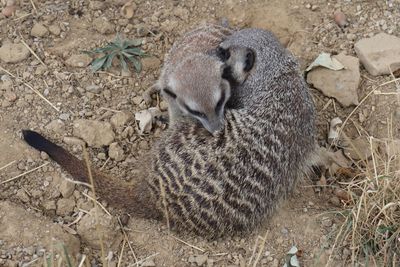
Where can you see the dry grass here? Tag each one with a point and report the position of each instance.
(371, 226)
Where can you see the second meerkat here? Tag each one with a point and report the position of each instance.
(197, 77)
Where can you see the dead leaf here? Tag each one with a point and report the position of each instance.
(325, 60)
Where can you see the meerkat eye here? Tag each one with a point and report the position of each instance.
(249, 63)
(223, 54)
(169, 92)
(195, 112)
(220, 103)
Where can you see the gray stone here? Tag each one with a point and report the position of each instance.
(97, 221)
(78, 61)
(340, 84)
(378, 53)
(39, 30)
(65, 206)
(120, 119)
(22, 195)
(150, 63)
(94, 133)
(103, 26)
(13, 53)
(116, 152)
(56, 126)
(66, 188)
(55, 29)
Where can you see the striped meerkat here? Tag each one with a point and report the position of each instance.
(196, 78)
(228, 182)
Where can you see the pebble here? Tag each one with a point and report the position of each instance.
(13, 53)
(50, 205)
(55, 29)
(94, 88)
(8, 11)
(200, 260)
(386, 46)
(148, 263)
(150, 63)
(120, 119)
(73, 141)
(65, 206)
(43, 155)
(10, 96)
(327, 222)
(103, 26)
(57, 126)
(93, 223)
(97, 5)
(64, 116)
(78, 61)
(340, 19)
(66, 188)
(116, 152)
(94, 133)
(342, 84)
(39, 30)
(22, 195)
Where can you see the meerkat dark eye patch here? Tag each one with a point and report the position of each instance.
(249, 62)
(195, 112)
(220, 103)
(223, 54)
(169, 92)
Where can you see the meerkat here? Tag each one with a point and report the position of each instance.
(229, 182)
(196, 78)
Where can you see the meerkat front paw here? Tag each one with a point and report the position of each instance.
(147, 94)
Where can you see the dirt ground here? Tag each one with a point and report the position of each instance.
(40, 210)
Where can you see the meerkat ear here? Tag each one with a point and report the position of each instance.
(250, 59)
(223, 54)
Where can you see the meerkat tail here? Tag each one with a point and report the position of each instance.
(133, 198)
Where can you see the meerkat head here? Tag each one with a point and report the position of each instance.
(196, 88)
(239, 62)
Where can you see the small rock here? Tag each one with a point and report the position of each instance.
(101, 156)
(66, 188)
(8, 11)
(93, 88)
(120, 119)
(378, 53)
(65, 206)
(340, 19)
(334, 200)
(141, 30)
(50, 205)
(97, 221)
(150, 63)
(200, 260)
(64, 116)
(341, 84)
(22, 195)
(56, 126)
(103, 26)
(94, 133)
(78, 61)
(145, 119)
(148, 263)
(43, 155)
(10, 96)
(97, 5)
(39, 30)
(116, 152)
(73, 141)
(13, 53)
(55, 29)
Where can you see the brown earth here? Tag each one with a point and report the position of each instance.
(306, 220)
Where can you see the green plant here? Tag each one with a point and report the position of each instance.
(125, 50)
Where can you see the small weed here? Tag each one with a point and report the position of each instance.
(125, 50)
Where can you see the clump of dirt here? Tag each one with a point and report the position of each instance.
(58, 30)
